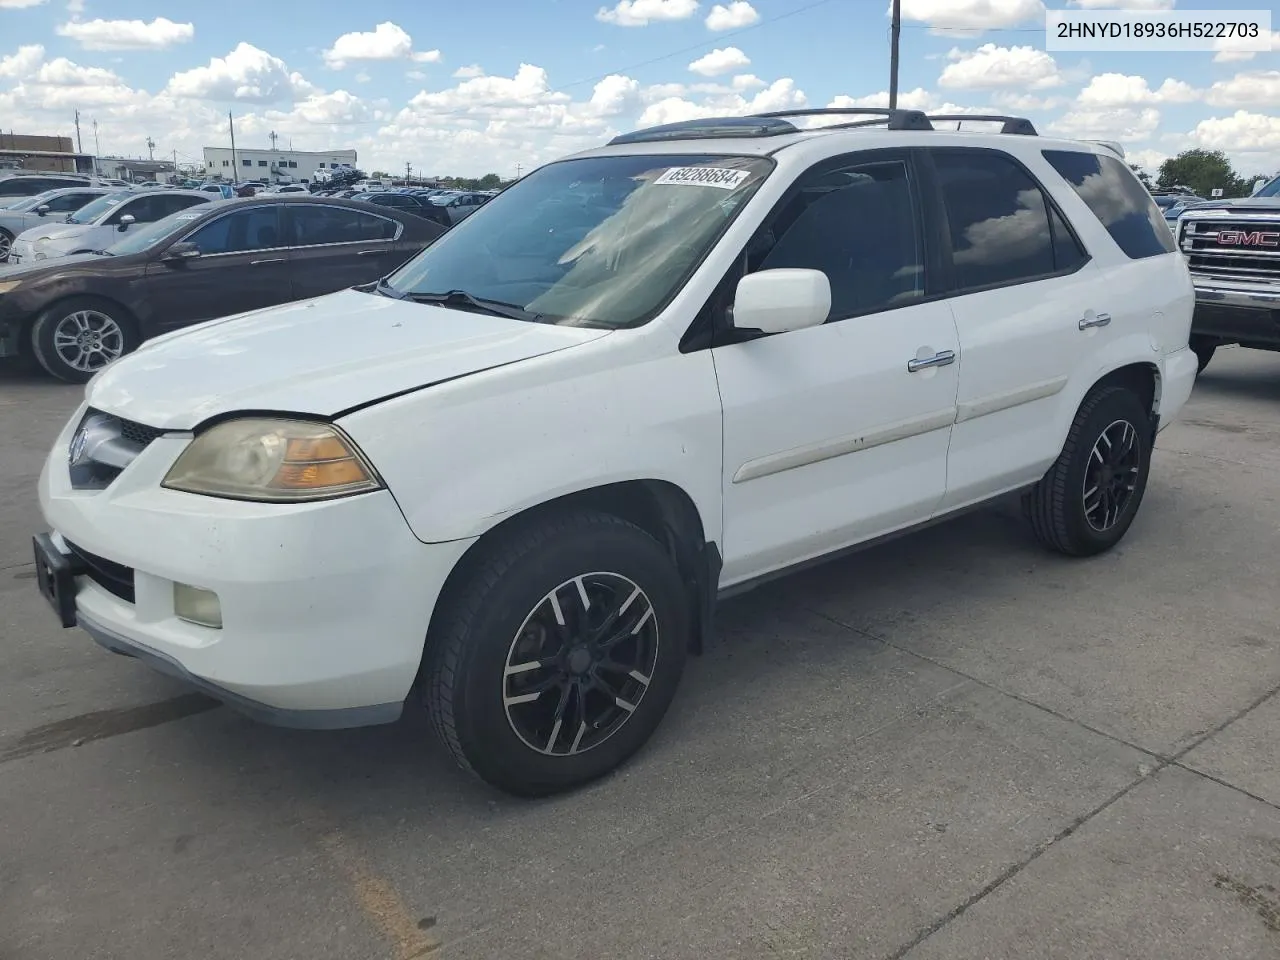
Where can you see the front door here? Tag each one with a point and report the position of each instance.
(838, 433)
(243, 265)
(338, 247)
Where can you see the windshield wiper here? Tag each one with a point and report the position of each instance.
(102, 253)
(463, 300)
(383, 289)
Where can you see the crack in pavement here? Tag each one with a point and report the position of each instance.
(1162, 761)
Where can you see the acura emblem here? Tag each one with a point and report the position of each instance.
(89, 437)
(76, 450)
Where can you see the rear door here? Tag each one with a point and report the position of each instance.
(243, 265)
(337, 247)
(1028, 310)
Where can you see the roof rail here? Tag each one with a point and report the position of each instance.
(1016, 125)
(709, 128)
(897, 119)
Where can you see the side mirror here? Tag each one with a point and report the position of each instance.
(126, 222)
(43, 209)
(776, 301)
(182, 251)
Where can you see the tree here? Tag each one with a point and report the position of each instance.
(1202, 171)
(1142, 175)
(490, 181)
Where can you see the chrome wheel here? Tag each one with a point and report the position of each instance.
(580, 664)
(1111, 475)
(88, 340)
(5, 245)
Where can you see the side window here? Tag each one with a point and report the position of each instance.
(999, 221)
(254, 229)
(69, 202)
(1118, 199)
(315, 225)
(858, 226)
(174, 204)
(377, 228)
(140, 209)
(1068, 255)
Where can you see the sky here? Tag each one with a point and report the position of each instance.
(502, 86)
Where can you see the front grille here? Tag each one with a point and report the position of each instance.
(113, 577)
(103, 446)
(1244, 248)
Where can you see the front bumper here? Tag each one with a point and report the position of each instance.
(325, 606)
(1237, 311)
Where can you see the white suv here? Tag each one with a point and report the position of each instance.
(511, 479)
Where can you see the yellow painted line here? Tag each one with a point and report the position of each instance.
(378, 900)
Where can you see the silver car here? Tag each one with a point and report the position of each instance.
(52, 206)
(99, 223)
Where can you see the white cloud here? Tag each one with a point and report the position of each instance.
(972, 16)
(640, 13)
(779, 95)
(387, 41)
(747, 81)
(339, 107)
(1242, 131)
(1027, 102)
(362, 77)
(993, 66)
(64, 73)
(246, 74)
(1123, 4)
(75, 7)
(468, 72)
(1107, 123)
(127, 34)
(19, 4)
(1118, 90)
(1229, 48)
(719, 62)
(1260, 88)
(23, 63)
(917, 99)
(1148, 160)
(732, 16)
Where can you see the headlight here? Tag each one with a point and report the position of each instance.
(272, 460)
(8, 285)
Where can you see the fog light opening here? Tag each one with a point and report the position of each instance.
(197, 606)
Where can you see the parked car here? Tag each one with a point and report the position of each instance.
(1233, 250)
(512, 479)
(76, 314)
(29, 184)
(99, 223)
(52, 206)
(408, 203)
(291, 188)
(459, 206)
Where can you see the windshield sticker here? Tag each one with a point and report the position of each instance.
(722, 177)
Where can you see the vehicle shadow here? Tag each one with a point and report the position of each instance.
(1254, 375)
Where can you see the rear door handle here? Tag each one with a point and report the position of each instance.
(258, 263)
(1097, 320)
(939, 359)
(371, 253)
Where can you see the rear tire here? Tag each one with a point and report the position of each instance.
(1089, 497)
(1204, 349)
(558, 655)
(6, 243)
(75, 338)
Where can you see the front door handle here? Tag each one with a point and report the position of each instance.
(370, 253)
(939, 359)
(1090, 320)
(258, 263)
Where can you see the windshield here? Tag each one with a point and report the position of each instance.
(147, 235)
(30, 203)
(94, 209)
(600, 241)
(1272, 189)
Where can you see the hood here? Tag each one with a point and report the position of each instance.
(319, 356)
(55, 232)
(1249, 204)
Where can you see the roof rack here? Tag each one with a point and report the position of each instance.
(710, 128)
(1015, 125)
(897, 119)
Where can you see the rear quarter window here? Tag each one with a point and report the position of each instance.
(1119, 201)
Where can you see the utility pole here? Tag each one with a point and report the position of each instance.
(151, 149)
(96, 151)
(273, 138)
(517, 171)
(895, 31)
(79, 148)
(407, 168)
(235, 169)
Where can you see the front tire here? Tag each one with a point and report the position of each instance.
(559, 654)
(74, 339)
(6, 244)
(1089, 497)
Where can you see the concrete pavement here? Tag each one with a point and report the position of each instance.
(952, 746)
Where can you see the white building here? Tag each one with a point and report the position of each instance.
(272, 165)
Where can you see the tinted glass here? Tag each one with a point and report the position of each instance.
(1118, 199)
(254, 229)
(96, 208)
(857, 225)
(21, 186)
(165, 205)
(313, 225)
(596, 241)
(144, 236)
(998, 217)
(1068, 255)
(1272, 189)
(70, 201)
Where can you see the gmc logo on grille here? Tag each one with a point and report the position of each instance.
(1248, 238)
